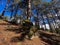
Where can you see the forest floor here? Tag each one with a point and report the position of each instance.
(11, 37)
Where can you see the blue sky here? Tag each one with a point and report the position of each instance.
(3, 4)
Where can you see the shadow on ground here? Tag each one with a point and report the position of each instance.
(19, 38)
(51, 39)
(14, 29)
(20, 31)
(22, 37)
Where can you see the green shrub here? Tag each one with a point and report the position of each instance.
(13, 21)
(34, 29)
(5, 17)
(37, 26)
(30, 35)
(57, 30)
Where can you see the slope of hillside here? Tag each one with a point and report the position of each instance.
(11, 37)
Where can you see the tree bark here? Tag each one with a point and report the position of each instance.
(28, 9)
(3, 13)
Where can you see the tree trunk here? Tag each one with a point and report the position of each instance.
(16, 10)
(54, 23)
(43, 22)
(3, 13)
(28, 9)
(50, 24)
(11, 14)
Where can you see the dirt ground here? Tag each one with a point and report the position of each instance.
(11, 37)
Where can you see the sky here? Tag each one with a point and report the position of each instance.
(2, 5)
(7, 13)
(46, 0)
(4, 2)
